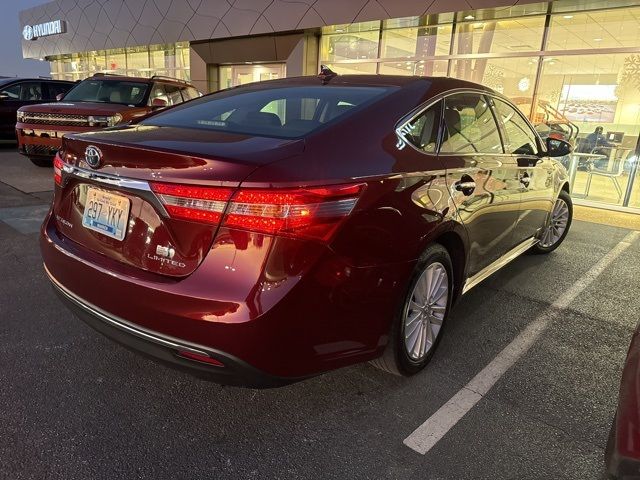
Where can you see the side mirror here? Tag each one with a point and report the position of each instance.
(558, 148)
(59, 97)
(159, 103)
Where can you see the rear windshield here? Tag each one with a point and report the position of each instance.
(108, 91)
(287, 112)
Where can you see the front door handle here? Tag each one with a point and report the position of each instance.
(466, 186)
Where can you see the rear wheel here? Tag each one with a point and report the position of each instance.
(41, 161)
(557, 226)
(417, 328)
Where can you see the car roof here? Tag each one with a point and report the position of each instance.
(138, 79)
(377, 80)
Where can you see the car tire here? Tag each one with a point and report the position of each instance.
(426, 302)
(41, 161)
(557, 227)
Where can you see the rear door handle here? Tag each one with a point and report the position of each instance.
(465, 186)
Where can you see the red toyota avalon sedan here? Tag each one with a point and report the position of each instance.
(268, 233)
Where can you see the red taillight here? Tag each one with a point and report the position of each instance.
(304, 212)
(57, 170)
(192, 202)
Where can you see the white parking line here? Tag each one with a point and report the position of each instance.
(425, 437)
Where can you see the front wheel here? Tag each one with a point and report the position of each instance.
(557, 225)
(417, 328)
(41, 161)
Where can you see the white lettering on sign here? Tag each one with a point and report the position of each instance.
(56, 27)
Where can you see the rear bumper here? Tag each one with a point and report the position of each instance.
(265, 307)
(167, 350)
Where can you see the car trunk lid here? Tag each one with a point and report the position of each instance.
(124, 207)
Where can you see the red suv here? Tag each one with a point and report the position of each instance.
(278, 230)
(97, 102)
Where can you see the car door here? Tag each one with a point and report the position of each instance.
(535, 173)
(14, 96)
(483, 181)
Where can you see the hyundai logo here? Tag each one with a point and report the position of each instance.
(27, 32)
(93, 156)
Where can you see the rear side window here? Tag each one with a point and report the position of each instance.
(288, 112)
(173, 95)
(422, 131)
(469, 125)
(168, 93)
(189, 93)
(519, 138)
(23, 91)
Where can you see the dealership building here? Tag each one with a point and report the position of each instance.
(568, 64)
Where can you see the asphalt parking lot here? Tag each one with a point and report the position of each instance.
(76, 406)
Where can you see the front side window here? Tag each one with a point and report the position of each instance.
(56, 89)
(519, 138)
(469, 125)
(108, 91)
(288, 112)
(26, 91)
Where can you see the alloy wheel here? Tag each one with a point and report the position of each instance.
(557, 224)
(425, 313)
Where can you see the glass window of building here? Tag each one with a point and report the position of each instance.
(596, 92)
(514, 77)
(616, 28)
(499, 36)
(424, 40)
(142, 61)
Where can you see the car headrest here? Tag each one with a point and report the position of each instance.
(115, 97)
(263, 118)
(452, 119)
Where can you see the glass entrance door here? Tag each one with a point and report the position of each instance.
(234, 75)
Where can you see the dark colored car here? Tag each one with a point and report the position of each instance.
(622, 454)
(97, 102)
(271, 232)
(19, 92)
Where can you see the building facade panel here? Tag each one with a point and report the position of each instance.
(106, 24)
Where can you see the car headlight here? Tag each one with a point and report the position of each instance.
(104, 120)
(20, 116)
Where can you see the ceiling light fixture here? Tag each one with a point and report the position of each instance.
(567, 17)
(469, 17)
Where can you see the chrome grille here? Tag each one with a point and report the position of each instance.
(55, 118)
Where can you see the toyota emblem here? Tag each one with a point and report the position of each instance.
(93, 156)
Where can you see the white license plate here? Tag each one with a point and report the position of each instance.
(106, 213)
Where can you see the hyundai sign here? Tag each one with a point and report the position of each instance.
(56, 27)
